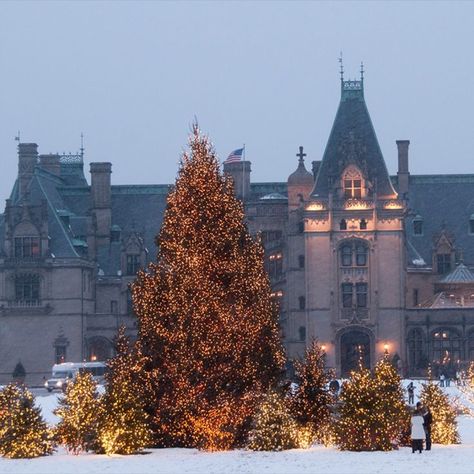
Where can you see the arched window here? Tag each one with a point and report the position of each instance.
(99, 349)
(446, 346)
(302, 302)
(354, 254)
(352, 183)
(416, 353)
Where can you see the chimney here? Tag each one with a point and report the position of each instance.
(403, 173)
(27, 159)
(51, 163)
(101, 200)
(240, 173)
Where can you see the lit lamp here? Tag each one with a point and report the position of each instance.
(385, 350)
(323, 348)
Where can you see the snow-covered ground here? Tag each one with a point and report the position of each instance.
(445, 459)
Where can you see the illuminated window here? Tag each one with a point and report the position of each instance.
(275, 266)
(60, 354)
(446, 346)
(352, 188)
(27, 247)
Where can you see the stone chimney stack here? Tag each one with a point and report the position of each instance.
(27, 159)
(101, 194)
(51, 163)
(240, 173)
(403, 173)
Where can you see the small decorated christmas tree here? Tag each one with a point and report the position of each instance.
(80, 412)
(372, 416)
(124, 427)
(23, 432)
(274, 427)
(444, 427)
(311, 399)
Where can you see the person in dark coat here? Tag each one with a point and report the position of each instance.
(411, 393)
(427, 422)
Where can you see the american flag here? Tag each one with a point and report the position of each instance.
(236, 155)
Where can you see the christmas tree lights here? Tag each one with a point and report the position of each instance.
(23, 432)
(444, 427)
(373, 415)
(208, 327)
(124, 427)
(274, 427)
(311, 399)
(80, 412)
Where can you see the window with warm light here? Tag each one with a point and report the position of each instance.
(446, 346)
(27, 247)
(352, 183)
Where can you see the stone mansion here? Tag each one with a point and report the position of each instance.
(368, 263)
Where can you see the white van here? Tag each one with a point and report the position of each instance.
(65, 373)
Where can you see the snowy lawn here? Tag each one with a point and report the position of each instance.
(445, 459)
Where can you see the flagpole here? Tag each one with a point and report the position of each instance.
(243, 175)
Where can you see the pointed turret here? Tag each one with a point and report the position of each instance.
(353, 142)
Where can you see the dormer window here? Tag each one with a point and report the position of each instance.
(133, 264)
(471, 224)
(352, 183)
(27, 247)
(418, 225)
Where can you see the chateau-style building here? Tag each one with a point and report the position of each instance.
(369, 264)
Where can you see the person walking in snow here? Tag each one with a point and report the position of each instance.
(427, 422)
(441, 379)
(411, 393)
(417, 431)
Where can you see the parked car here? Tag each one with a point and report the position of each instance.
(64, 373)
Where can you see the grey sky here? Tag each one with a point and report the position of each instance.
(132, 76)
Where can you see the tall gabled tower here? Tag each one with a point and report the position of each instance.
(354, 244)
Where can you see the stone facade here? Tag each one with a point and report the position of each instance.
(369, 264)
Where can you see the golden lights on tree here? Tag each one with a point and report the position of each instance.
(274, 427)
(207, 324)
(80, 413)
(124, 426)
(23, 432)
(373, 415)
(444, 427)
(311, 399)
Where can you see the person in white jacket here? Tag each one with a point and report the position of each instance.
(417, 431)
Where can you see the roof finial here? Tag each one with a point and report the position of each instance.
(301, 155)
(362, 71)
(341, 66)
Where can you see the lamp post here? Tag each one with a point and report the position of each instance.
(385, 351)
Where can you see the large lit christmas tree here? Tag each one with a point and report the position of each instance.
(444, 427)
(207, 323)
(124, 427)
(23, 432)
(80, 412)
(372, 415)
(311, 399)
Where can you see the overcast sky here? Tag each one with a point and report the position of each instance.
(133, 75)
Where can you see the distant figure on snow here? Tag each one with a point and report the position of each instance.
(417, 431)
(441, 379)
(411, 393)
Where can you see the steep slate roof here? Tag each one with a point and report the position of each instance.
(353, 140)
(443, 201)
